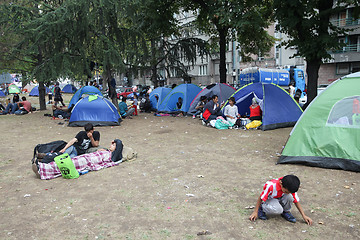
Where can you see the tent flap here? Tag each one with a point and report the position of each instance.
(323, 162)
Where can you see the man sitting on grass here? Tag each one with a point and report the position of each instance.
(24, 107)
(276, 198)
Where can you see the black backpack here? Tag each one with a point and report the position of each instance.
(55, 146)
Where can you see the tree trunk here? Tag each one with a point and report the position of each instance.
(42, 95)
(153, 65)
(312, 70)
(222, 65)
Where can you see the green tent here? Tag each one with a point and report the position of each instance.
(13, 89)
(328, 133)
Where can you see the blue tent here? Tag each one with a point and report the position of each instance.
(161, 93)
(69, 88)
(96, 110)
(222, 90)
(2, 94)
(186, 91)
(89, 90)
(278, 108)
(35, 91)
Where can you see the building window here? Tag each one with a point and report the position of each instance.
(342, 68)
(202, 70)
(355, 67)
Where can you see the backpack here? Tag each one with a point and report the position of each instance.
(54, 146)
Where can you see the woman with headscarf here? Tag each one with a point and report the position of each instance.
(255, 111)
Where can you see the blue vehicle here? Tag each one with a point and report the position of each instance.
(281, 77)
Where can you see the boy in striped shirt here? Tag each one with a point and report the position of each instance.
(276, 198)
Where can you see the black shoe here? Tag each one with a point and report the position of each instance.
(289, 217)
(262, 214)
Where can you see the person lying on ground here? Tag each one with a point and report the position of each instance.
(231, 111)
(212, 109)
(276, 198)
(84, 142)
(102, 158)
(24, 107)
(65, 112)
(255, 111)
(124, 111)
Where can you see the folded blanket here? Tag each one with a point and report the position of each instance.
(90, 161)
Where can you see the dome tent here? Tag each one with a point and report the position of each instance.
(222, 90)
(35, 91)
(278, 108)
(161, 93)
(89, 90)
(69, 88)
(13, 89)
(186, 91)
(96, 110)
(327, 133)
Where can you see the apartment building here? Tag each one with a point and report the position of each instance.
(347, 59)
(206, 70)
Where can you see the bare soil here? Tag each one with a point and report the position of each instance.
(187, 179)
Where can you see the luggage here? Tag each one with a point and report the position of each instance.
(54, 146)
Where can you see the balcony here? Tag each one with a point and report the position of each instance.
(348, 48)
(345, 22)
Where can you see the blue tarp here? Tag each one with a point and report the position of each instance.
(186, 91)
(222, 90)
(69, 88)
(89, 90)
(98, 111)
(278, 108)
(35, 91)
(161, 93)
(2, 94)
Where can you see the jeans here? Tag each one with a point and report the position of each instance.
(11, 106)
(128, 113)
(197, 112)
(71, 151)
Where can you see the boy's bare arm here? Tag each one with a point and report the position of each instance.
(306, 218)
(254, 215)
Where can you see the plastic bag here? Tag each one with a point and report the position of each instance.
(66, 166)
(222, 124)
(253, 124)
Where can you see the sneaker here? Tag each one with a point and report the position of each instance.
(262, 214)
(289, 217)
(194, 116)
(203, 122)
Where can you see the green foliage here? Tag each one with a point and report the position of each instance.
(243, 21)
(307, 23)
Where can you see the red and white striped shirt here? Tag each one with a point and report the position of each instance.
(272, 189)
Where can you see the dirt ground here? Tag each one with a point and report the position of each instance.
(187, 178)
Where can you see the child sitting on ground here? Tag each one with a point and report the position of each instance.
(276, 198)
(231, 111)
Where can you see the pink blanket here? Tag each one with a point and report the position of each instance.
(90, 161)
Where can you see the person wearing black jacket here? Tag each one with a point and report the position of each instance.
(212, 109)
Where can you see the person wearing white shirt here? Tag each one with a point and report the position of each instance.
(231, 111)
